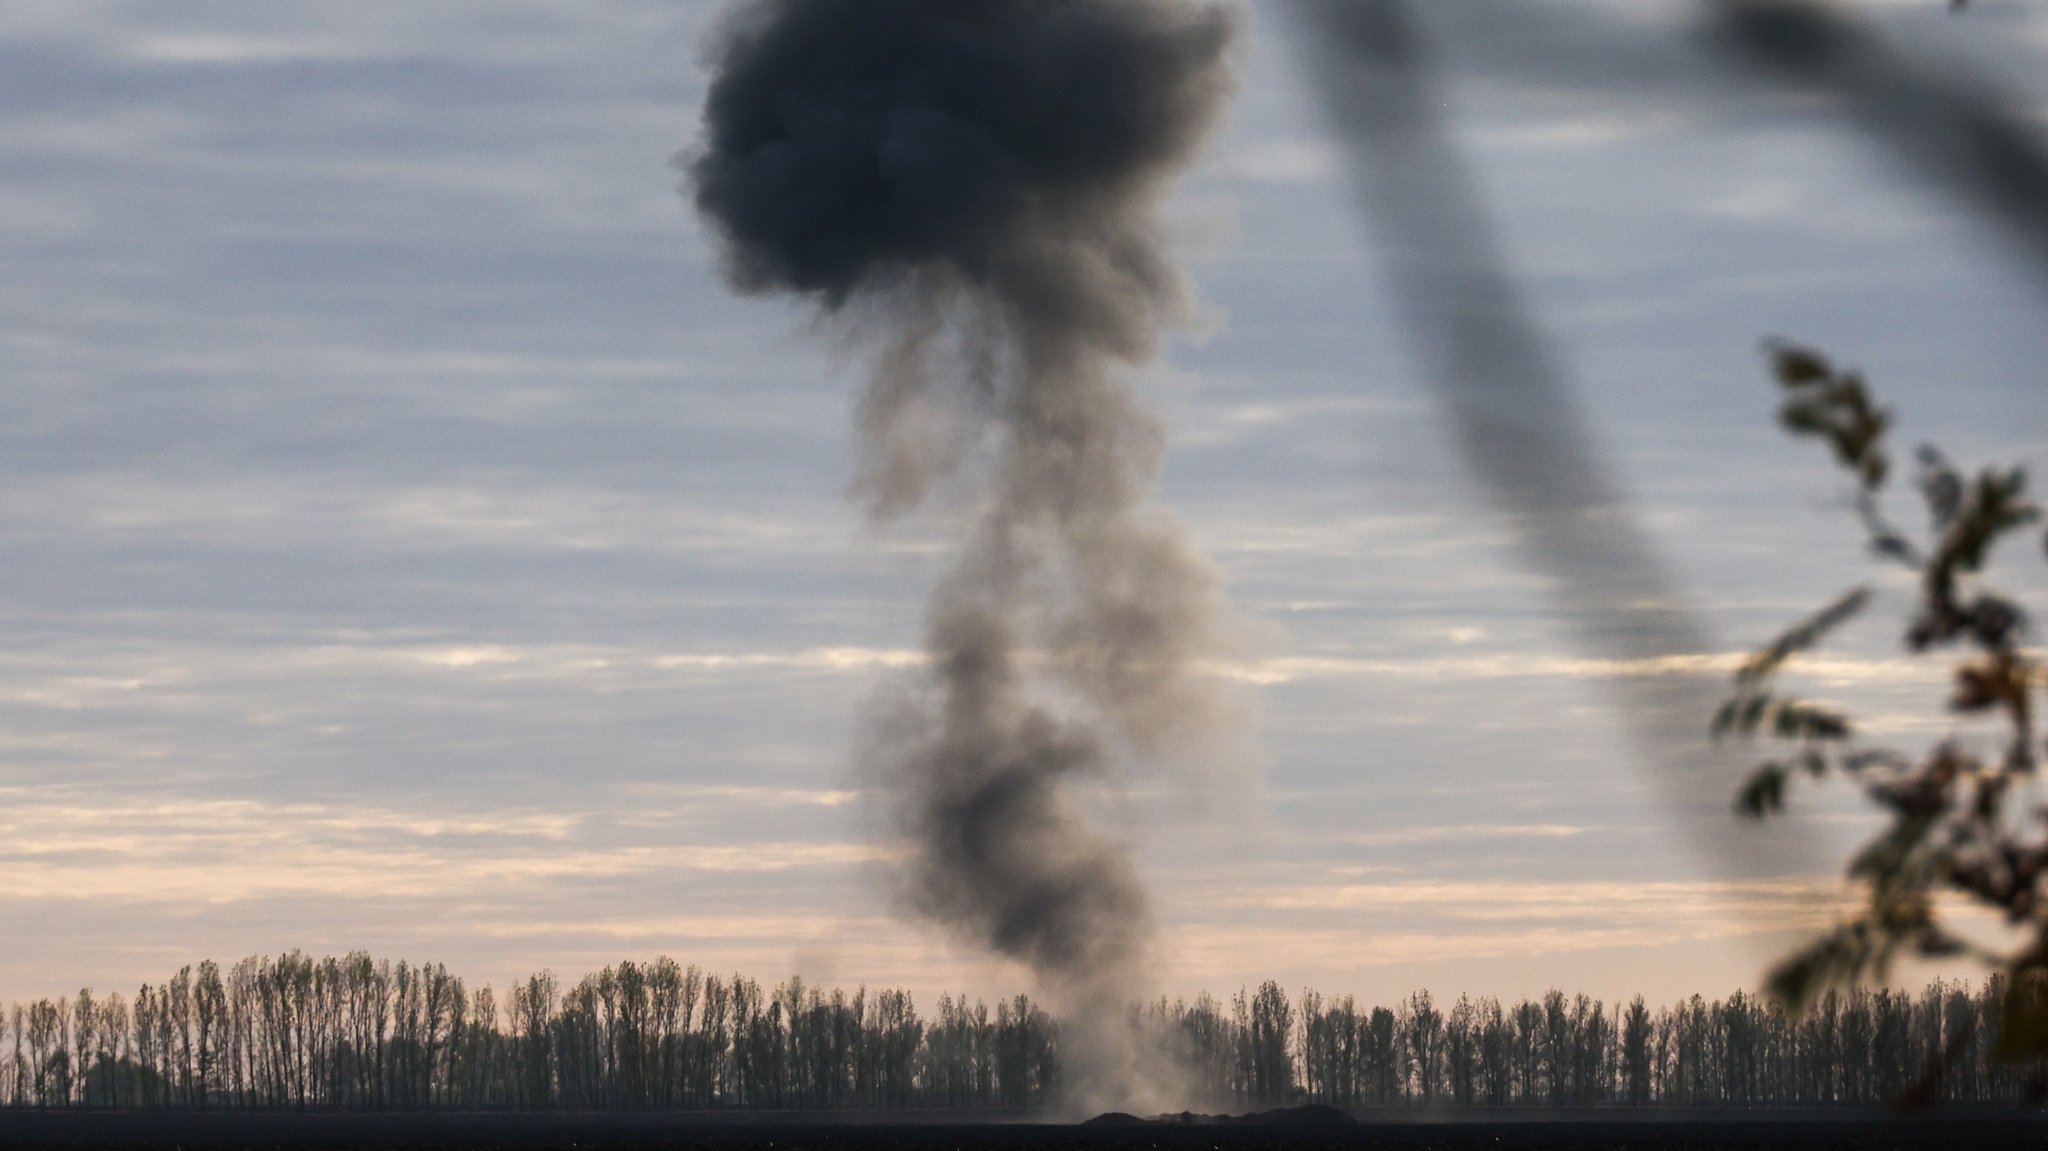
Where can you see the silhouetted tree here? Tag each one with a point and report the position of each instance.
(359, 1033)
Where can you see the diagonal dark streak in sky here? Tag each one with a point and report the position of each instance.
(1959, 132)
(1517, 417)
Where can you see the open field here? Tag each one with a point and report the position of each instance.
(942, 1132)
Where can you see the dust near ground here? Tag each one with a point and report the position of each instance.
(1589, 1131)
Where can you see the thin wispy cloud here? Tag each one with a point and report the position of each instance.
(412, 547)
(1467, 833)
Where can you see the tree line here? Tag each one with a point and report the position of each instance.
(357, 1033)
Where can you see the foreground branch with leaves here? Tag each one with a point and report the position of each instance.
(1959, 826)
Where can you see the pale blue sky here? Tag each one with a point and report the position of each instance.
(411, 546)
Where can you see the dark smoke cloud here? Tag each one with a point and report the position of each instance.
(971, 186)
(856, 142)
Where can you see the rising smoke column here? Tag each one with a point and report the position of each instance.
(971, 187)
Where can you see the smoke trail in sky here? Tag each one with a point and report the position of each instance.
(971, 186)
(1960, 132)
(1509, 403)
(1514, 411)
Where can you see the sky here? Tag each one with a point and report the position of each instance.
(412, 546)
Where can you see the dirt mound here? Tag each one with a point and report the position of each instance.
(1308, 1115)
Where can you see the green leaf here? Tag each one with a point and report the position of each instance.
(1836, 958)
(1802, 636)
(1796, 365)
(1992, 509)
(1934, 943)
(1764, 793)
(1724, 717)
(1795, 720)
(1802, 418)
(1883, 860)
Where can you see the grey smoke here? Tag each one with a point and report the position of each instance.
(971, 187)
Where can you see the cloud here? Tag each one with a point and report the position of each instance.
(712, 798)
(1294, 161)
(228, 48)
(145, 851)
(1466, 834)
(1596, 130)
(394, 504)
(1834, 671)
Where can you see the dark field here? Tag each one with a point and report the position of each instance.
(1582, 1132)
